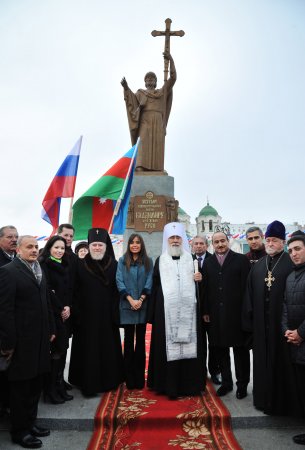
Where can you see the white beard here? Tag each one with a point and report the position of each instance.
(175, 250)
(272, 251)
(97, 256)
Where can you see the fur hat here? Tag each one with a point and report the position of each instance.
(82, 244)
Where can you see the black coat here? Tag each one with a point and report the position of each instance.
(58, 282)
(224, 288)
(26, 321)
(293, 317)
(96, 363)
(4, 259)
(274, 388)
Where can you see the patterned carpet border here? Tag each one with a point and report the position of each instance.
(141, 420)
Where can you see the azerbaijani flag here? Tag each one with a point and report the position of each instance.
(105, 204)
(62, 186)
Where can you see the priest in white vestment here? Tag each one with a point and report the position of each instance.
(176, 362)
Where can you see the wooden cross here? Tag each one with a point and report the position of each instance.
(269, 280)
(167, 33)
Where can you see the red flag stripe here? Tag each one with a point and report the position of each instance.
(120, 168)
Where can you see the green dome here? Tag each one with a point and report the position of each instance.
(208, 210)
(181, 211)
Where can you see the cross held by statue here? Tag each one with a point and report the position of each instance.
(167, 33)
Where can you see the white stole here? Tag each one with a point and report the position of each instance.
(178, 286)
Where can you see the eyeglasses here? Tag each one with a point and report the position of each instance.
(253, 238)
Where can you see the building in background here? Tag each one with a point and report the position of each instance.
(209, 221)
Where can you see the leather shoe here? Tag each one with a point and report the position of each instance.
(68, 386)
(39, 431)
(241, 393)
(216, 379)
(223, 390)
(28, 441)
(299, 439)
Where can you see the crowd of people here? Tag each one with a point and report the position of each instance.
(200, 305)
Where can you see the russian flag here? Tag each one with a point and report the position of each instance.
(62, 186)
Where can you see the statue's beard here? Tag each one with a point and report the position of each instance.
(97, 256)
(150, 86)
(175, 250)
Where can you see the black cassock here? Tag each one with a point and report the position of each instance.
(96, 363)
(173, 378)
(274, 387)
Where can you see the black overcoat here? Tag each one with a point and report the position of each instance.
(58, 282)
(274, 389)
(26, 321)
(96, 363)
(4, 258)
(224, 288)
(293, 316)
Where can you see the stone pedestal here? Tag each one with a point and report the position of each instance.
(152, 196)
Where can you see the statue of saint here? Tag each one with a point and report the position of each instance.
(148, 111)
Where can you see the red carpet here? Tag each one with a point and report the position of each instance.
(142, 420)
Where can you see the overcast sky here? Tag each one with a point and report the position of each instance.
(237, 128)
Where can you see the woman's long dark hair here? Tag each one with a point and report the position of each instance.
(45, 254)
(142, 257)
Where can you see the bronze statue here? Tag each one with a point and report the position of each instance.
(148, 110)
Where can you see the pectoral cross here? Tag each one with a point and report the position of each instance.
(167, 33)
(269, 280)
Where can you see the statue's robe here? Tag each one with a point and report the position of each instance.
(148, 113)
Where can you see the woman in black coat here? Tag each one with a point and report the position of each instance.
(55, 265)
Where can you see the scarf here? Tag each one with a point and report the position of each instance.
(34, 268)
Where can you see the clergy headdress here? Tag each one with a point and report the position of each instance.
(276, 229)
(175, 229)
(297, 236)
(101, 235)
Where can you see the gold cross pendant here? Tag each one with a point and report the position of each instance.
(269, 280)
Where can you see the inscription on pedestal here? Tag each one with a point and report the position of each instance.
(151, 212)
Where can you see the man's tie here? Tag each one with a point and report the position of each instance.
(200, 262)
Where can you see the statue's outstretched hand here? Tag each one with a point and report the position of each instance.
(124, 83)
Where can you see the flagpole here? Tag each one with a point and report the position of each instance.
(118, 203)
(70, 215)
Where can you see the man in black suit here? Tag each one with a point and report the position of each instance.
(199, 251)
(225, 274)
(26, 328)
(8, 244)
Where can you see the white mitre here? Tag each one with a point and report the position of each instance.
(175, 229)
